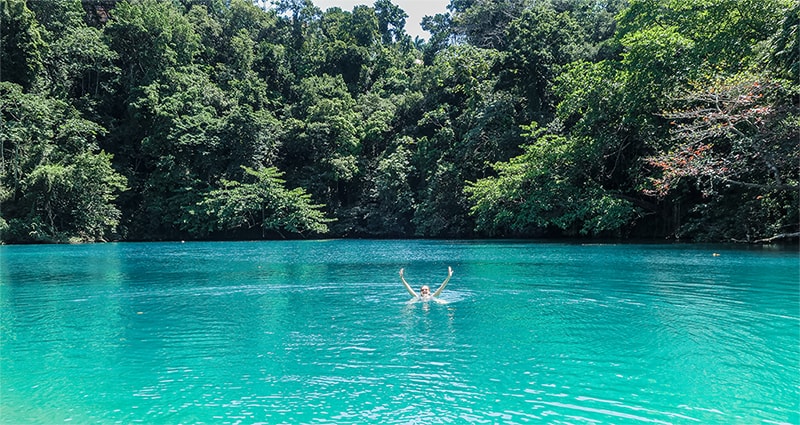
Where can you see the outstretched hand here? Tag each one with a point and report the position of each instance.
(401, 272)
(449, 271)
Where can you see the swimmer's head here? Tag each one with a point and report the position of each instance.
(425, 290)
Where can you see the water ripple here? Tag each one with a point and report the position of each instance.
(323, 332)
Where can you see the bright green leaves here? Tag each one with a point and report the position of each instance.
(92, 188)
(540, 42)
(682, 40)
(669, 44)
(546, 188)
(656, 60)
(260, 202)
(590, 96)
(179, 110)
(785, 46)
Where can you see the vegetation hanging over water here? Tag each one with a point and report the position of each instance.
(187, 119)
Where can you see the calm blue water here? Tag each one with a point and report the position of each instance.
(322, 332)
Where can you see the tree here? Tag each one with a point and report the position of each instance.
(322, 141)
(736, 138)
(388, 202)
(669, 45)
(302, 27)
(348, 45)
(539, 44)
(73, 200)
(57, 17)
(785, 51)
(391, 21)
(150, 36)
(441, 34)
(21, 44)
(56, 185)
(482, 23)
(465, 126)
(209, 30)
(263, 203)
(546, 188)
(194, 136)
(80, 65)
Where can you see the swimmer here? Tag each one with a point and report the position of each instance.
(425, 290)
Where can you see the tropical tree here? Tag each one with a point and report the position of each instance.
(548, 188)
(321, 141)
(56, 184)
(149, 36)
(736, 143)
(260, 202)
(464, 128)
(391, 22)
(21, 45)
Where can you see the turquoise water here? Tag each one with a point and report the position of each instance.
(322, 332)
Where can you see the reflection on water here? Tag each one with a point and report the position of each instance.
(322, 332)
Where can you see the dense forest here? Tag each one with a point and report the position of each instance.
(216, 119)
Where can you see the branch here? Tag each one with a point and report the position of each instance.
(760, 186)
(641, 203)
(777, 237)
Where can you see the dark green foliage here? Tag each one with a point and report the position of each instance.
(149, 37)
(21, 44)
(540, 43)
(56, 185)
(391, 22)
(190, 119)
(785, 48)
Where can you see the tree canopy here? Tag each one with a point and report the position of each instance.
(211, 119)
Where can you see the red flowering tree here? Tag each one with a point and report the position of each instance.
(740, 136)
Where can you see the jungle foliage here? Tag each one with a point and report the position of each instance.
(215, 119)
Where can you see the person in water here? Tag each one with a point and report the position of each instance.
(425, 290)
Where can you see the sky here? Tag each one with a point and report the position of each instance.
(415, 9)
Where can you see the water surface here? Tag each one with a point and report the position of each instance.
(322, 332)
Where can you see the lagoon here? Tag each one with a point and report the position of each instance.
(322, 332)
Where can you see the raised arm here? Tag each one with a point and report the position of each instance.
(408, 287)
(441, 288)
